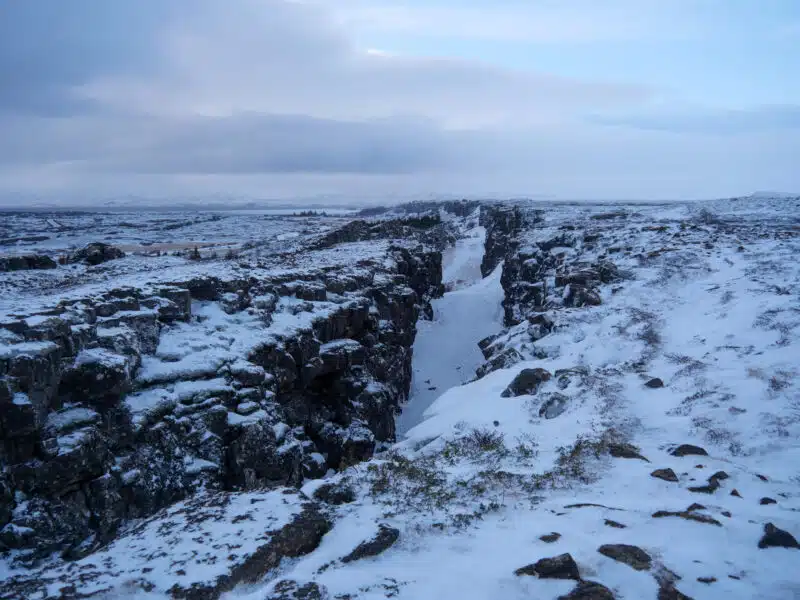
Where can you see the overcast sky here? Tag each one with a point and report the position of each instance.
(373, 98)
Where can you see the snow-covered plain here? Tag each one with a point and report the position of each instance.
(710, 305)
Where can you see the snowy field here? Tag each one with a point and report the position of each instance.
(654, 489)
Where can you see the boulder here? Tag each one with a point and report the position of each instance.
(588, 590)
(26, 263)
(562, 566)
(665, 474)
(95, 254)
(553, 406)
(688, 450)
(380, 543)
(777, 538)
(633, 556)
(526, 382)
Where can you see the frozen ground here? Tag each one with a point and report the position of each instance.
(482, 485)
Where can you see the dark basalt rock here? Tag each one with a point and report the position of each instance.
(688, 450)
(588, 590)
(665, 474)
(654, 383)
(96, 253)
(633, 556)
(553, 406)
(292, 590)
(383, 540)
(777, 538)
(526, 382)
(26, 263)
(562, 566)
(506, 358)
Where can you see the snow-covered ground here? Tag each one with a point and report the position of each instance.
(481, 485)
(446, 350)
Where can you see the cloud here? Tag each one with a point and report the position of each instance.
(718, 121)
(273, 98)
(575, 21)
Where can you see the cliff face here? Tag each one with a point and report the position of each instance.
(116, 404)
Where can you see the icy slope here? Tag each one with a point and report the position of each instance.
(446, 350)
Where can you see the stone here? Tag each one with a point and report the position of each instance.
(562, 566)
(712, 485)
(764, 501)
(614, 524)
(777, 538)
(689, 515)
(688, 450)
(654, 383)
(526, 382)
(633, 556)
(550, 538)
(96, 253)
(665, 474)
(292, 590)
(588, 590)
(383, 540)
(26, 263)
(553, 405)
(670, 592)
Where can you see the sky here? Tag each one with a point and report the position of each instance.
(372, 99)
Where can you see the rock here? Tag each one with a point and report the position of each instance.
(505, 359)
(654, 383)
(335, 493)
(580, 295)
(777, 538)
(550, 538)
(383, 540)
(764, 501)
(588, 590)
(633, 556)
(553, 406)
(526, 382)
(670, 592)
(292, 590)
(713, 483)
(26, 263)
(736, 493)
(97, 377)
(689, 515)
(614, 524)
(214, 542)
(665, 474)
(562, 566)
(96, 253)
(707, 580)
(688, 450)
(625, 451)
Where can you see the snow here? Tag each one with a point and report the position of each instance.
(477, 478)
(445, 350)
(194, 541)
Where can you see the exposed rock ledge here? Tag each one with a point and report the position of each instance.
(118, 404)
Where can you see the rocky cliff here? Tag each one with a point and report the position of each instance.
(118, 402)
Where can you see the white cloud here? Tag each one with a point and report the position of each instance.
(273, 98)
